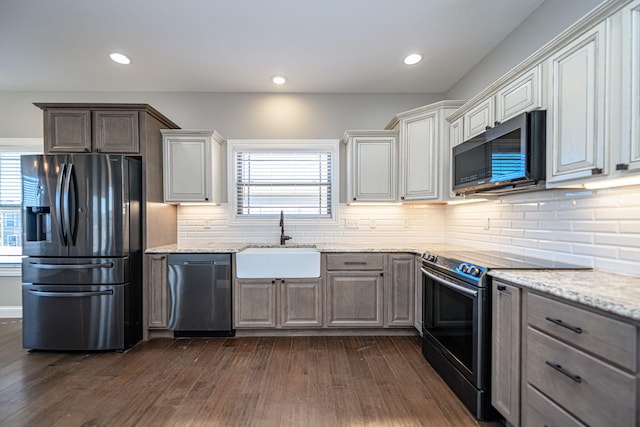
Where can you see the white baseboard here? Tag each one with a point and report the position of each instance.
(11, 312)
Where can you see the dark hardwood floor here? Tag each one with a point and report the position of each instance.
(292, 381)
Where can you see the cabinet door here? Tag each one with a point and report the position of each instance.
(630, 156)
(505, 351)
(524, 94)
(374, 177)
(455, 133)
(187, 169)
(576, 120)
(420, 158)
(158, 299)
(354, 299)
(300, 303)
(255, 304)
(478, 119)
(67, 131)
(399, 291)
(417, 315)
(116, 132)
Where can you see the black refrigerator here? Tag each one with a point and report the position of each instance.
(82, 255)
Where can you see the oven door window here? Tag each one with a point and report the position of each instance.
(449, 314)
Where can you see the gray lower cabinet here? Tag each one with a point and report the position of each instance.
(158, 292)
(556, 362)
(354, 299)
(505, 351)
(277, 303)
(354, 289)
(399, 291)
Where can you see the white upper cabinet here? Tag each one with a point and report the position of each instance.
(628, 159)
(192, 166)
(523, 94)
(424, 152)
(576, 114)
(371, 166)
(478, 119)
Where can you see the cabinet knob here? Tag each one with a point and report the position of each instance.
(273, 282)
(354, 198)
(401, 197)
(487, 127)
(206, 199)
(502, 288)
(381, 274)
(622, 167)
(496, 123)
(596, 171)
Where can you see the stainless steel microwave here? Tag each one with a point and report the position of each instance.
(507, 157)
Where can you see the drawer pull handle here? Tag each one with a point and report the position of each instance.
(563, 371)
(564, 325)
(355, 263)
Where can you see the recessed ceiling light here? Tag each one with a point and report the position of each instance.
(279, 79)
(120, 58)
(413, 59)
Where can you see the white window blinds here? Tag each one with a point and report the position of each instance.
(295, 182)
(10, 192)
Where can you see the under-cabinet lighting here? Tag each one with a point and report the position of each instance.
(616, 182)
(120, 58)
(463, 201)
(375, 204)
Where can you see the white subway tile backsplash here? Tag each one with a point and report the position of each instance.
(591, 228)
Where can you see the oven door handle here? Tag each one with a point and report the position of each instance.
(458, 288)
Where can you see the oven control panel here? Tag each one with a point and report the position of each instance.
(470, 269)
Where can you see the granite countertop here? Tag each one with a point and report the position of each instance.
(610, 292)
(322, 247)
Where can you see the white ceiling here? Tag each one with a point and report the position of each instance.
(236, 45)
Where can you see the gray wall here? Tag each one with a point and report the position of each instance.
(234, 115)
(10, 291)
(546, 22)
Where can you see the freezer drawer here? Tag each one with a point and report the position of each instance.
(75, 271)
(200, 294)
(73, 317)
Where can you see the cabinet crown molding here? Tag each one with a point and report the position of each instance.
(368, 133)
(598, 14)
(194, 132)
(447, 103)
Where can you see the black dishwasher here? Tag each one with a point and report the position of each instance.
(200, 295)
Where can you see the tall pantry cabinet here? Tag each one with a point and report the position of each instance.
(132, 129)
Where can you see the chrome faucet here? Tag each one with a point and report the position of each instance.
(283, 238)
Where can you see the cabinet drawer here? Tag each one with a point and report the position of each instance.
(610, 339)
(594, 392)
(540, 411)
(355, 261)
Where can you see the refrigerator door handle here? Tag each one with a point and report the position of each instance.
(66, 204)
(70, 294)
(72, 190)
(59, 204)
(42, 266)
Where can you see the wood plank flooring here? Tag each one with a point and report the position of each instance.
(249, 381)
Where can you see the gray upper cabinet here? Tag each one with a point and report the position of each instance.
(87, 130)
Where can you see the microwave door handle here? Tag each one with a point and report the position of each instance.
(59, 204)
(451, 285)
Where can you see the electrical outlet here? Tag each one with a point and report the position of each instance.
(487, 223)
(351, 222)
(372, 223)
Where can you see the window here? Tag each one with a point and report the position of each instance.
(11, 196)
(293, 177)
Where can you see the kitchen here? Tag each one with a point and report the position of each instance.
(596, 228)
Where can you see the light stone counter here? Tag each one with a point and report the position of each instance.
(613, 293)
(322, 247)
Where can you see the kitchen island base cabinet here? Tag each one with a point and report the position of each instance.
(278, 303)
